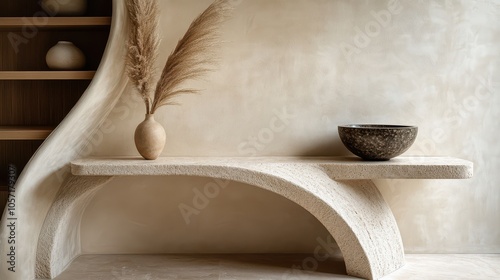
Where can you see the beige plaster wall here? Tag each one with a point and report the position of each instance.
(291, 71)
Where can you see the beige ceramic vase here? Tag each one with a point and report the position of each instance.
(65, 56)
(150, 138)
(64, 7)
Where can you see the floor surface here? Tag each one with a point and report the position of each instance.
(269, 267)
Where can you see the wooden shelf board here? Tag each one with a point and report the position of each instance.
(24, 132)
(53, 22)
(46, 75)
(4, 188)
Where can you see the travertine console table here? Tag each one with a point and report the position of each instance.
(338, 191)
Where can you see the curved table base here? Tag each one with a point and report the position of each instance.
(354, 212)
(59, 241)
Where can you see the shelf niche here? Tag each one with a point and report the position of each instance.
(30, 8)
(34, 99)
(28, 54)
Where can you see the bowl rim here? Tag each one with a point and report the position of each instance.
(378, 126)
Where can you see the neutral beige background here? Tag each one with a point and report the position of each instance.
(434, 64)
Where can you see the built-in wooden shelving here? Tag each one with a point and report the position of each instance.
(32, 97)
(46, 75)
(24, 132)
(53, 22)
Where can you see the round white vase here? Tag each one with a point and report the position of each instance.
(64, 7)
(65, 56)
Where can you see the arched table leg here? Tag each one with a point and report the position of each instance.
(353, 211)
(59, 241)
(371, 222)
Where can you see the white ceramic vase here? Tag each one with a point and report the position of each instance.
(150, 138)
(65, 56)
(64, 7)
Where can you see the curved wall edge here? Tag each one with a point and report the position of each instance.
(45, 173)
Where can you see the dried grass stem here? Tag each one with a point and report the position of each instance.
(193, 56)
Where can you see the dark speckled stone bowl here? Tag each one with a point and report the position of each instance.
(377, 142)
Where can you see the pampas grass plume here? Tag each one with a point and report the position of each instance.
(193, 56)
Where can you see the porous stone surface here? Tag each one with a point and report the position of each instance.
(339, 168)
(349, 206)
(59, 240)
(353, 211)
(377, 142)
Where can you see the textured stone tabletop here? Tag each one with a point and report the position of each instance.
(339, 168)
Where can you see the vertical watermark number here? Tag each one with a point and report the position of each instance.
(11, 220)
